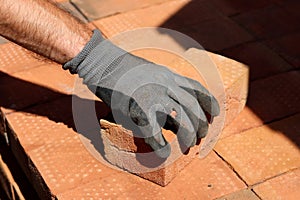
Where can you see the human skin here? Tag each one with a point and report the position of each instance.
(44, 28)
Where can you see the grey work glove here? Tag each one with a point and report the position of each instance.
(144, 96)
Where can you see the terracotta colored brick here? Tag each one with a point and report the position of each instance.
(194, 12)
(243, 194)
(58, 165)
(233, 7)
(275, 97)
(120, 146)
(54, 157)
(95, 9)
(148, 17)
(262, 61)
(209, 33)
(15, 59)
(264, 152)
(285, 186)
(258, 22)
(17, 93)
(287, 47)
(203, 179)
(218, 34)
(121, 150)
(36, 85)
(50, 76)
(247, 119)
(291, 6)
(233, 74)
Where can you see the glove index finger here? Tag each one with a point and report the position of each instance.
(206, 100)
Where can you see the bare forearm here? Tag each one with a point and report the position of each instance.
(41, 27)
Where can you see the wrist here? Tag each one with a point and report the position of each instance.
(81, 52)
(70, 46)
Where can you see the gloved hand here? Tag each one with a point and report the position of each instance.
(144, 96)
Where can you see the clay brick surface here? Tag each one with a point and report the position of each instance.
(15, 59)
(95, 9)
(206, 31)
(120, 146)
(240, 195)
(247, 119)
(275, 97)
(233, 74)
(147, 17)
(285, 186)
(59, 159)
(262, 61)
(36, 85)
(264, 152)
(203, 179)
(234, 7)
(287, 47)
(122, 150)
(218, 34)
(54, 149)
(258, 22)
(18, 94)
(291, 6)
(50, 76)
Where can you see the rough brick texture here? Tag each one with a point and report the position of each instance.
(95, 9)
(120, 146)
(285, 186)
(263, 152)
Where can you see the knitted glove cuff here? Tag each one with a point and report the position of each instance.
(73, 64)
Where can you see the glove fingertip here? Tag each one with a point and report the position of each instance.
(161, 151)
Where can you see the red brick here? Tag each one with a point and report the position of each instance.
(148, 17)
(194, 12)
(120, 146)
(243, 194)
(211, 176)
(271, 21)
(50, 76)
(264, 152)
(53, 154)
(287, 47)
(275, 97)
(262, 61)
(36, 85)
(219, 34)
(121, 150)
(209, 29)
(203, 179)
(94, 9)
(234, 7)
(233, 74)
(292, 6)
(18, 94)
(15, 59)
(247, 119)
(285, 186)
(52, 149)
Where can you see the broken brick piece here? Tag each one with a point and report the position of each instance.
(126, 152)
